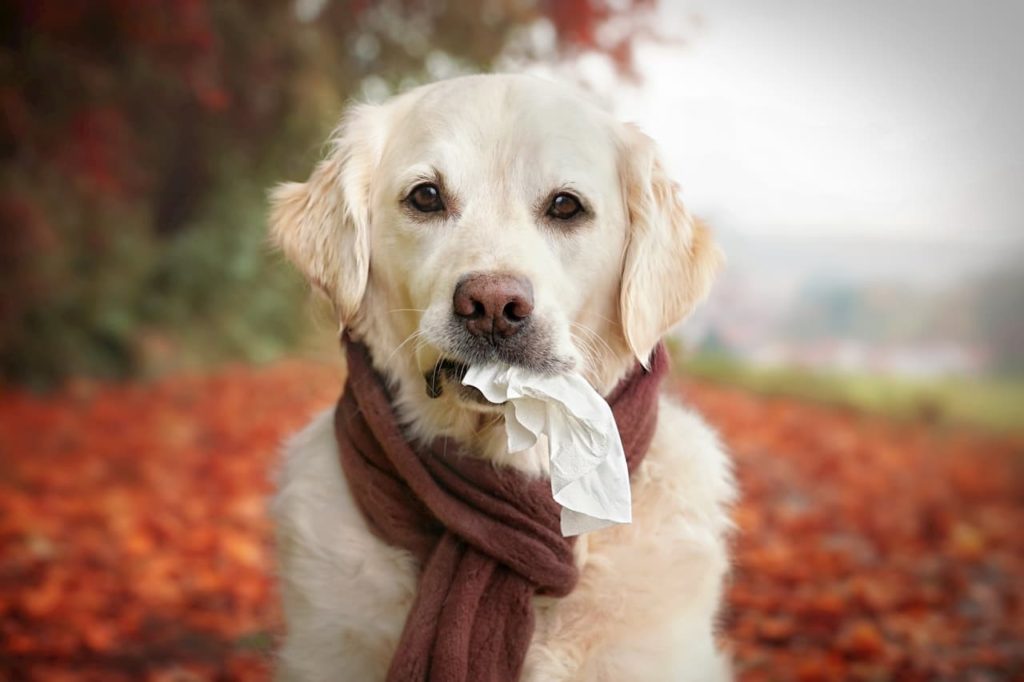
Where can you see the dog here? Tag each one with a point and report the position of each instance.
(514, 203)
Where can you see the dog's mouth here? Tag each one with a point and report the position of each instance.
(460, 352)
(449, 372)
(444, 371)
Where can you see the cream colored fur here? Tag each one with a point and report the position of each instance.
(607, 290)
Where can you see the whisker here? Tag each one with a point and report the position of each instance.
(594, 335)
(420, 342)
(416, 333)
(585, 346)
(611, 322)
(586, 349)
(433, 380)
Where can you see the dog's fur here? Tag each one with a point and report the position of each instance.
(606, 288)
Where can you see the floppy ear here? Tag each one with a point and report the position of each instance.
(670, 258)
(322, 225)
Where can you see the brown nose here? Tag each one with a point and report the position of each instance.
(492, 304)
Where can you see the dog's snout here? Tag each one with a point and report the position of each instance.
(493, 304)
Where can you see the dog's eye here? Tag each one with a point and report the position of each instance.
(426, 198)
(564, 206)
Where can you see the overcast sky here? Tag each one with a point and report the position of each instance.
(844, 121)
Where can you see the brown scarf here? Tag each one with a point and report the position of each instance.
(488, 538)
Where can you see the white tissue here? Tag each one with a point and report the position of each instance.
(589, 477)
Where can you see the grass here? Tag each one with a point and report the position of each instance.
(991, 404)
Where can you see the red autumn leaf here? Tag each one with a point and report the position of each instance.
(134, 541)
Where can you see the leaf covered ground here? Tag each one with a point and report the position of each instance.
(134, 542)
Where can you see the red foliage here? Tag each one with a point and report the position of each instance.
(870, 550)
(578, 25)
(178, 34)
(92, 114)
(135, 544)
(133, 528)
(92, 151)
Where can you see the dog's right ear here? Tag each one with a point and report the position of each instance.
(323, 225)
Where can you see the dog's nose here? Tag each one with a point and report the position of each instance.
(493, 304)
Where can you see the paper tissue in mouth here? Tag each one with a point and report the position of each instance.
(589, 475)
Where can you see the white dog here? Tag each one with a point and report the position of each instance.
(568, 220)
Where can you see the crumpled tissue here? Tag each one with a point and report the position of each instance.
(589, 476)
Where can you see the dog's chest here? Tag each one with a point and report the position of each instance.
(337, 575)
(644, 590)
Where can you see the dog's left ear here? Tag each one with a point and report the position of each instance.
(670, 258)
(323, 225)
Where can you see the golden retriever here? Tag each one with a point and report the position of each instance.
(571, 221)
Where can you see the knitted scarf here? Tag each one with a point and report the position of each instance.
(487, 538)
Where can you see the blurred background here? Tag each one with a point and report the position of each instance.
(861, 164)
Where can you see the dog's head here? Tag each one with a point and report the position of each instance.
(493, 218)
